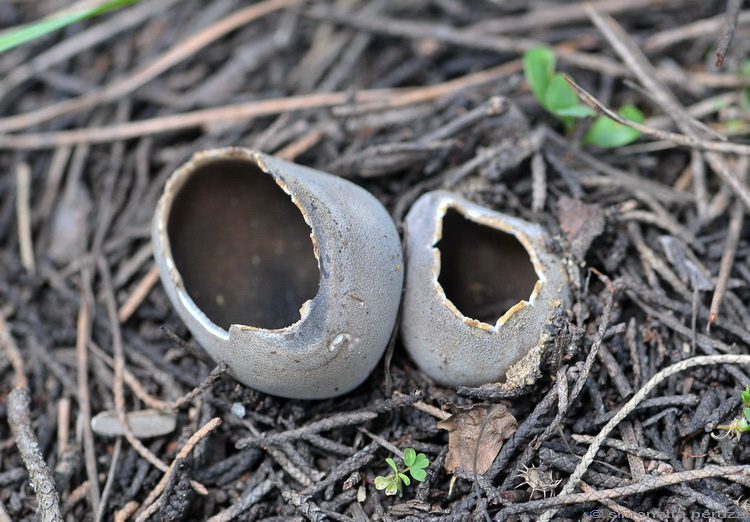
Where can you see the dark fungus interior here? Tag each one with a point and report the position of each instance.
(242, 246)
(483, 271)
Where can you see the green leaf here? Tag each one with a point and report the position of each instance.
(559, 95)
(744, 99)
(392, 464)
(746, 396)
(418, 474)
(382, 482)
(404, 478)
(39, 29)
(746, 411)
(632, 113)
(606, 132)
(538, 67)
(392, 488)
(409, 456)
(576, 111)
(420, 461)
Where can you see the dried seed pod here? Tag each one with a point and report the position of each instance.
(291, 276)
(480, 289)
(539, 480)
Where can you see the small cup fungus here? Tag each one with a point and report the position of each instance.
(291, 276)
(480, 289)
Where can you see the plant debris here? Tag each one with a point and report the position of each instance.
(475, 436)
(401, 98)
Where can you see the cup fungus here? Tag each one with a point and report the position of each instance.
(480, 289)
(291, 276)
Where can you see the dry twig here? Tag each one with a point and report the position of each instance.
(646, 74)
(123, 86)
(23, 213)
(736, 219)
(375, 99)
(40, 476)
(151, 504)
(588, 458)
(727, 32)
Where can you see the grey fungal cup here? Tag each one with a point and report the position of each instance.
(481, 290)
(291, 276)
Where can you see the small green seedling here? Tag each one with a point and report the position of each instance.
(745, 93)
(560, 100)
(44, 27)
(737, 427)
(415, 466)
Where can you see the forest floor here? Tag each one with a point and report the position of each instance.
(400, 98)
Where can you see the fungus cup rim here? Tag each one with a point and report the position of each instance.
(171, 190)
(496, 221)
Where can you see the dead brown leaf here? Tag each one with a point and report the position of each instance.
(581, 223)
(475, 435)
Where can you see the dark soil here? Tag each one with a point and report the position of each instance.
(428, 94)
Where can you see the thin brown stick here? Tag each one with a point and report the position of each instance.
(124, 86)
(151, 504)
(23, 216)
(40, 476)
(109, 484)
(646, 189)
(77, 495)
(430, 410)
(648, 484)
(562, 14)
(76, 44)
(402, 28)
(83, 335)
(679, 139)
(53, 180)
(588, 458)
(126, 512)
(736, 220)
(309, 140)
(119, 365)
(13, 353)
(139, 293)
(63, 425)
(727, 32)
(692, 31)
(385, 99)
(629, 52)
(565, 400)
(698, 168)
(646, 453)
(248, 499)
(151, 401)
(637, 467)
(637, 62)
(118, 388)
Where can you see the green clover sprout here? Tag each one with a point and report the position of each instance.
(560, 100)
(738, 426)
(415, 466)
